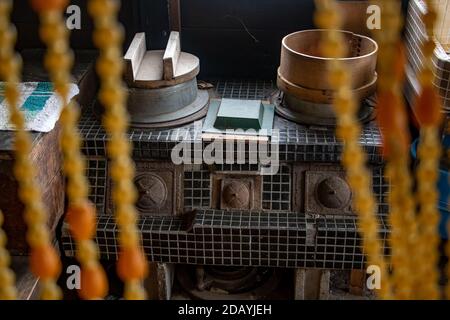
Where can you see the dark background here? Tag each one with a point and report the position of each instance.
(232, 38)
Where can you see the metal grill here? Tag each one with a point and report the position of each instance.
(277, 190)
(244, 89)
(415, 36)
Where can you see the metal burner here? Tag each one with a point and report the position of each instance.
(222, 282)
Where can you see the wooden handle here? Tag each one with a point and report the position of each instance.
(171, 55)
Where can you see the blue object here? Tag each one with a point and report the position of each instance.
(444, 190)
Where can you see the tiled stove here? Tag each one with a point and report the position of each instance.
(231, 215)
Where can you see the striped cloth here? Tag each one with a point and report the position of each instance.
(39, 104)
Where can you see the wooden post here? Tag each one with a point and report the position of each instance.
(174, 15)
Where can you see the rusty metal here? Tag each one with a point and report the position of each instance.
(159, 189)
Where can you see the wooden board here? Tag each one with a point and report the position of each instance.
(45, 155)
(174, 15)
(134, 55)
(47, 159)
(171, 56)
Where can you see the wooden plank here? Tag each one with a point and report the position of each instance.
(171, 55)
(174, 15)
(134, 55)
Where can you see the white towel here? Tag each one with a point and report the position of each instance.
(39, 104)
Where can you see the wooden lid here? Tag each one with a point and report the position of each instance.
(159, 68)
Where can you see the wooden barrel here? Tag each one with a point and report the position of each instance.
(305, 70)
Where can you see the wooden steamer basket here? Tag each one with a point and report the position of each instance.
(303, 74)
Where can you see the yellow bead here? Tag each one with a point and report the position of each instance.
(126, 215)
(119, 148)
(328, 19)
(6, 277)
(37, 235)
(50, 33)
(8, 37)
(87, 251)
(98, 8)
(61, 60)
(35, 213)
(50, 291)
(29, 193)
(128, 236)
(134, 291)
(5, 258)
(8, 293)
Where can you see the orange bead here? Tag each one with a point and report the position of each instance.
(94, 284)
(400, 62)
(47, 5)
(393, 122)
(81, 219)
(132, 264)
(391, 114)
(428, 107)
(45, 262)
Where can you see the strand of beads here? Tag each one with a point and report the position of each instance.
(44, 260)
(428, 112)
(8, 289)
(447, 290)
(108, 37)
(393, 121)
(348, 130)
(81, 215)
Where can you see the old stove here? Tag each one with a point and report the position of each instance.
(222, 211)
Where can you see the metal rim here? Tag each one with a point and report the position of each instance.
(196, 110)
(366, 113)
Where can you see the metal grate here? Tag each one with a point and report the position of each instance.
(245, 89)
(415, 36)
(276, 195)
